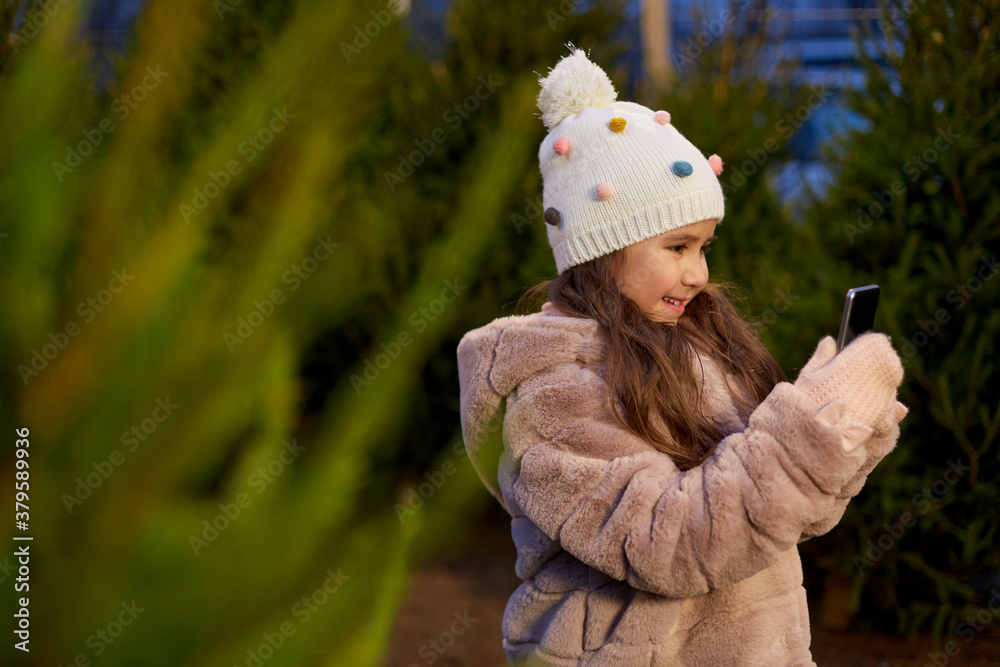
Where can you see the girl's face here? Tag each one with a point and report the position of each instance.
(669, 266)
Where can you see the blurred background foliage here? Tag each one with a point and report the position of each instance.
(914, 208)
(299, 312)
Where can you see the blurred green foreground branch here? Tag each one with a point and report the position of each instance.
(171, 250)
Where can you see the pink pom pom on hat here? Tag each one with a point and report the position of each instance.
(715, 162)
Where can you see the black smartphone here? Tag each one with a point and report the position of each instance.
(859, 314)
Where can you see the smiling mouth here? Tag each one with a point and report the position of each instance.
(677, 310)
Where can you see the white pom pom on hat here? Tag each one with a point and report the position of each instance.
(573, 85)
(614, 173)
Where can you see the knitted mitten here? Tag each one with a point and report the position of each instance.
(865, 375)
(895, 416)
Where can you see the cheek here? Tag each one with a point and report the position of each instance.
(638, 273)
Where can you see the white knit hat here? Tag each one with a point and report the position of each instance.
(614, 173)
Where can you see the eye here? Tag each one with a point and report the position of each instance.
(675, 247)
(705, 249)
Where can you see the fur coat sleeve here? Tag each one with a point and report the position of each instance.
(614, 502)
(877, 447)
(626, 510)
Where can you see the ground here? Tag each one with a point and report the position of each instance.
(457, 602)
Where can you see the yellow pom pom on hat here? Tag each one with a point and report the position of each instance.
(614, 173)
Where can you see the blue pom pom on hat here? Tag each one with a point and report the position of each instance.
(614, 173)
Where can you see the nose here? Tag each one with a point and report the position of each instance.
(695, 273)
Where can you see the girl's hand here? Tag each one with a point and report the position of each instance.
(865, 375)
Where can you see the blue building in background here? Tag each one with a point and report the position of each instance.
(818, 34)
(109, 22)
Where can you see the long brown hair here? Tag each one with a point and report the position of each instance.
(649, 365)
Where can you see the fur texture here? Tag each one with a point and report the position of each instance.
(625, 560)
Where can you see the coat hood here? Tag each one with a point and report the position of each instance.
(494, 359)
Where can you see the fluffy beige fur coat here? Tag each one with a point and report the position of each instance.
(626, 560)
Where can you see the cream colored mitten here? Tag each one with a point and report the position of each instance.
(865, 375)
(898, 412)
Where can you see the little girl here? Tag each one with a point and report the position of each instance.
(658, 467)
